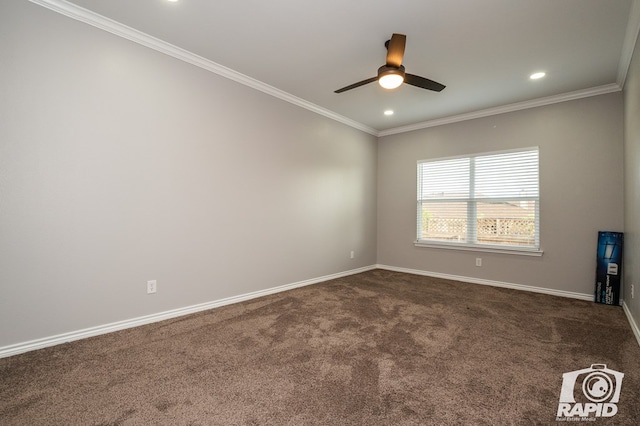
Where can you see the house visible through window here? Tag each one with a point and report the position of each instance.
(486, 200)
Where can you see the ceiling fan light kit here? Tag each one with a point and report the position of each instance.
(389, 77)
(392, 73)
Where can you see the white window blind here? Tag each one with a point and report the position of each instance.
(487, 200)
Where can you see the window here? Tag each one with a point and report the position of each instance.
(486, 201)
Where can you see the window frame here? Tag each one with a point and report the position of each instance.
(471, 203)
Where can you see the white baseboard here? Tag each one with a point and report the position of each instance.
(562, 293)
(632, 322)
(32, 345)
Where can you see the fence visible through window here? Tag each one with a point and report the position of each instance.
(496, 230)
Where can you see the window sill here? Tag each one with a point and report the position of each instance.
(520, 251)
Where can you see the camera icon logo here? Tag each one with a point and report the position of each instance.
(590, 391)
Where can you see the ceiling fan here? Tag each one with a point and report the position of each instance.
(392, 74)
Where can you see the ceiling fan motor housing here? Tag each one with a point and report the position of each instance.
(386, 70)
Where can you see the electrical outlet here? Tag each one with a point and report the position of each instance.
(478, 261)
(152, 286)
(352, 254)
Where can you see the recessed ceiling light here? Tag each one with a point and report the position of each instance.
(537, 75)
(172, 1)
(388, 112)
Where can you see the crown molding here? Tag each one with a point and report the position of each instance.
(579, 94)
(630, 39)
(88, 17)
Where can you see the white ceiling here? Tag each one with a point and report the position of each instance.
(482, 50)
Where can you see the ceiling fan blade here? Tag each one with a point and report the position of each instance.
(424, 83)
(358, 84)
(395, 50)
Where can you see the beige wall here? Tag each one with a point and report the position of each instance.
(581, 191)
(632, 186)
(119, 165)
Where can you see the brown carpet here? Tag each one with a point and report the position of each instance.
(377, 348)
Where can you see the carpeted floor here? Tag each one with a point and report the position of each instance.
(377, 348)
